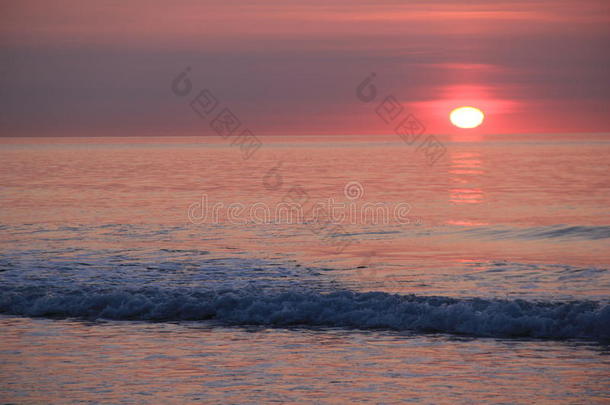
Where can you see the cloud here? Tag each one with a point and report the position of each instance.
(292, 67)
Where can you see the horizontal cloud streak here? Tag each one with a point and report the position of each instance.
(292, 67)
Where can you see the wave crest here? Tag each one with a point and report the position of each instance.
(346, 309)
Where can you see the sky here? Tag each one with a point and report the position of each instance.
(74, 68)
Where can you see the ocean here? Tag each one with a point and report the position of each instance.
(308, 269)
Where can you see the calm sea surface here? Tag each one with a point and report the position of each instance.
(330, 270)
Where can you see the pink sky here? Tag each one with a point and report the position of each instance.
(105, 68)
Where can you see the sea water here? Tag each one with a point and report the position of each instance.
(317, 269)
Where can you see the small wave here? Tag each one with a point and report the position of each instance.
(344, 309)
(543, 232)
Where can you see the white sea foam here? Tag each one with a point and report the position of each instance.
(476, 317)
(173, 285)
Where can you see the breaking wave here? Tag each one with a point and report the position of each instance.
(344, 309)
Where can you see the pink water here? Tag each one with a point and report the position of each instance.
(502, 218)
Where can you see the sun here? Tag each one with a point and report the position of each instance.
(466, 117)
